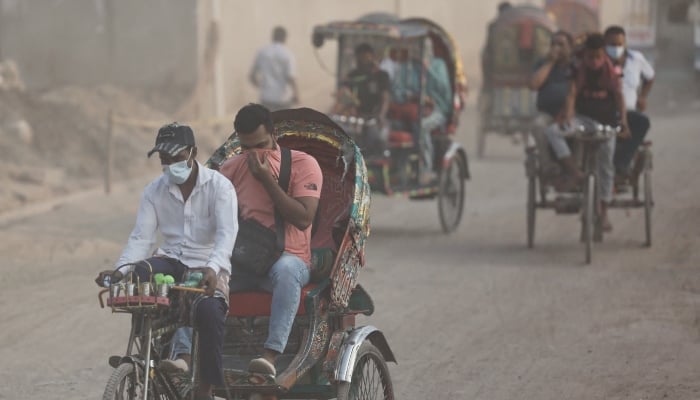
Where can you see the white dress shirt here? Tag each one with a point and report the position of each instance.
(274, 65)
(636, 68)
(199, 232)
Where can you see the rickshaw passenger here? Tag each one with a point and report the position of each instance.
(637, 80)
(370, 86)
(595, 92)
(439, 95)
(551, 81)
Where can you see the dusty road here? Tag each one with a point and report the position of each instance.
(474, 315)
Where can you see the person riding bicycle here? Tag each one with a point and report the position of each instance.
(595, 92)
(365, 91)
(637, 80)
(254, 173)
(194, 209)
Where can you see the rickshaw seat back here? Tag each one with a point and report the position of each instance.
(258, 303)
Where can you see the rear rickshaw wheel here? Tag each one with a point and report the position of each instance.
(648, 204)
(451, 193)
(531, 172)
(531, 210)
(588, 216)
(370, 377)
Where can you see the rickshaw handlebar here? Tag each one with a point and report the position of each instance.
(589, 131)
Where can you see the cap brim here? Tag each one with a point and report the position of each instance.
(172, 149)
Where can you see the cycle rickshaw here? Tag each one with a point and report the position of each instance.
(395, 170)
(328, 355)
(541, 174)
(516, 40)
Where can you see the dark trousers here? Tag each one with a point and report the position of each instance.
(209, 318)
(625, 149)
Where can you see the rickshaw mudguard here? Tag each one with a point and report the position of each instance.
(351, 346)
(456, 150)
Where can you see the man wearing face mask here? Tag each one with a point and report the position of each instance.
(195, 210)
(637, 80)
(595, 93)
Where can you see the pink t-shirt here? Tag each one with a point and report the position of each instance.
(305, 180)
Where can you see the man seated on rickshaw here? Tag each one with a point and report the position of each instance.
(551, 81)
(595, 93)
(438, 101)
(365, 93)
(637, 79)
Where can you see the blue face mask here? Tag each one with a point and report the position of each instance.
(615, 52)
(178, 172)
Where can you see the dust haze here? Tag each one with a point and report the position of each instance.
(472, 315)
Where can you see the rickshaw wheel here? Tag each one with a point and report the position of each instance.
(588, 216)
(123, 384)
(370, 379)
(648, 204)
(451, 194)
(531, 210)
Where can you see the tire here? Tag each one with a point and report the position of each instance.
(123, 385)
(451, 194)
(648, 204)
(589, 216)
(370, 377)
(531, 210)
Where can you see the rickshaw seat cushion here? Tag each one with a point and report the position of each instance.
(258, 303)
(400, 139)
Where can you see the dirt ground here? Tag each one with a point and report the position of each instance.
(473, 315)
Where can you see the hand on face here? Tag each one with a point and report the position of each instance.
(258, 164)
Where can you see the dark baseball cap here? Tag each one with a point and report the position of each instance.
(172, 139)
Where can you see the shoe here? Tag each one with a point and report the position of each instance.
(262, 366)
(177, 365)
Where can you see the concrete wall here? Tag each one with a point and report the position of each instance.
(131, 42)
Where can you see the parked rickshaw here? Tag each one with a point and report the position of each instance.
(328, 355)
(517, 39)
(575, 16)
(542, 173)
(395, 169)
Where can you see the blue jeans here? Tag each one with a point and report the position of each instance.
(285, 280)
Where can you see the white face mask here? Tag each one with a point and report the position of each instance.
(178, 172)
(615, 52)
